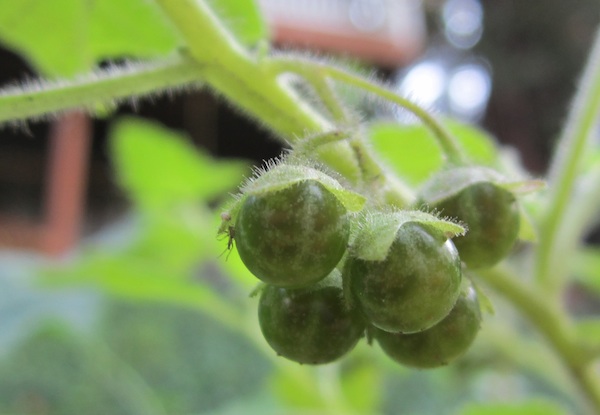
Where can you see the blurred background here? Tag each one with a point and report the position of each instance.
(507, 65)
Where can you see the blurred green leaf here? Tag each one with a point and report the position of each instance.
(532, 407)
(479, 145)
(177, 238)
(149, 280)
(296, 387)
(413, 153)
(586, 268)
(67, 374)
(50, 34)
(361, 383)
(133, 28)
(243, 18)
(67, 37)
(409, 150)
(588, 332)
(160, 169)
(506, 343)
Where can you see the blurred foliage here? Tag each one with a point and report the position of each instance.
(178, 334)
(142, 359)
(421, 153)
(168, 359)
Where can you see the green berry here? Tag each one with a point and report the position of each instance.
(309, 325)
(490, 212)
(292, 237)
(440, 344)
(414, 287)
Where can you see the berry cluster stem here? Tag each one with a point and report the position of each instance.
(308, 69)
(239, 76)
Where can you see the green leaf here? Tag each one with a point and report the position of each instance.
(129, 28)
(414, 154)
(50, 34)
(243, 18)
(532, 407)
(160, 169)
(361, 384)
(68, 37)
(409, 150)
(296, 387)
(176, 238)
(479, 145)
(378, 231)
(145, 279)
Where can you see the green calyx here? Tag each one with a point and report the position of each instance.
(378, 231)
(281, 176)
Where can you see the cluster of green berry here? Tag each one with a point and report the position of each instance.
(335, 270)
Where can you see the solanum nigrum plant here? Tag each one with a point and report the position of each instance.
(312, 325)
(335, 206)
(440, 344)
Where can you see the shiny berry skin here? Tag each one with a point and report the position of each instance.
(414, 287)
(440, 344)
(292, 237)
(475, 197)
(309, 325)
(492, 216)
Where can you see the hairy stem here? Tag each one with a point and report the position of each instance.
(581, 123)
(106, 87)
(307, 68)
(231, 71)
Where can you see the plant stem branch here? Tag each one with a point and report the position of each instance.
(581, 123)
(552, 324)
(307, 68)
(106, 87)
(325, 91)
(232, 72)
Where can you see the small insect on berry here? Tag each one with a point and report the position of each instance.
(226, 230)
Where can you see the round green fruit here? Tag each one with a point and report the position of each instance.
(292, 237)
(440, 344)
(490, 212)
(414, 287)
(492, 217)
(309, 325)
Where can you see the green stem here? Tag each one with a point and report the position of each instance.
(325, 91)
(305, 67)
(229, 69)
(581, 123)
(552, 324)
(105, 87)
(390, 189)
